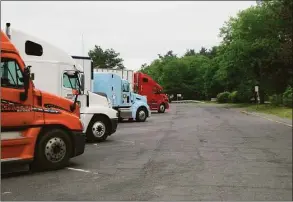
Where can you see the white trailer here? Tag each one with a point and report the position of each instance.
(51, 68)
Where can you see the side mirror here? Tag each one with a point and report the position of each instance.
(26, 82)
(32, 76)
(70, 73)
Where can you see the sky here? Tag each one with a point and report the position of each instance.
(139, 31)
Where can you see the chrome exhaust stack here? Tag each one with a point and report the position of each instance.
(8, 31)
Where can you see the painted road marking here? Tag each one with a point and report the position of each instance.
(7, 192)
(82, 170)
(124, 141)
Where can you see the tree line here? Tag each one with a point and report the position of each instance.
(256, 50)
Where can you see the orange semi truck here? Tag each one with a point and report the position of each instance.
(36, 127)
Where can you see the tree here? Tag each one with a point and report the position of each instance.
(203, 51)
(106, 59)
(190, 52)
(256, 49)
(144, 65)
(169, 54)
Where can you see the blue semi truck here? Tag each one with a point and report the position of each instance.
(119, 91)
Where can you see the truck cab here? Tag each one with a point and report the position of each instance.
(37, 127)
(156, 98)
(56, 72)
(128, 104)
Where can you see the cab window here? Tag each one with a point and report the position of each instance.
(145, 80)
(11, 75)
(69, 82)
(126, 87)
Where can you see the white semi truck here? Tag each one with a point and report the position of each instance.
(56, 72)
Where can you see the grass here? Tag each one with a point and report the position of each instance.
(280, 111)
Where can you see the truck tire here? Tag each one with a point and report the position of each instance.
(162, 108)
(98, 129)
(141, 115)
(53, 150)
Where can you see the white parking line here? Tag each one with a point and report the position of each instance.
(131, 142)
(81, 170)
(7, 192)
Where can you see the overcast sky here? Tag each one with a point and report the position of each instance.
(137, 30)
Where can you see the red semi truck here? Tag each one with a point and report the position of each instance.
(145, 85)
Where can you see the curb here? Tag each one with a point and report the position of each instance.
(253, 114)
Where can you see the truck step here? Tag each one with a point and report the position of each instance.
(14, 169)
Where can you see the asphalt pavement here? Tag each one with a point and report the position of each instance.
(191, 152)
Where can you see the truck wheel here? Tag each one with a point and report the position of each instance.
(141, 115)
(53, 150)
(98, 129)
(162, 108)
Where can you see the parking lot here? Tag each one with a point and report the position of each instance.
(192, 152)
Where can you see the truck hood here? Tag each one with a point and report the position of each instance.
(139, 97)
(50, 100)
(96, 99)
(166, 98)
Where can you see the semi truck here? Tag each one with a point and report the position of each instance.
(116, 85)
(145, 85)
(38, 128)
(51, 67)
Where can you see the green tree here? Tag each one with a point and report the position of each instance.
(108, 58)
(256, 49)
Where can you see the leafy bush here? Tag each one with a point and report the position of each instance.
(233, 97)
(223, 97)
(276, 100)
(287, 97)
(244, 95)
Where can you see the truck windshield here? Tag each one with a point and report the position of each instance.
(71, 81)
(10, 73)
(159, 91)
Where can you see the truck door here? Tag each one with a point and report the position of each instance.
(147, 89)
(16, 115)
(156, 97)
(126, 100)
